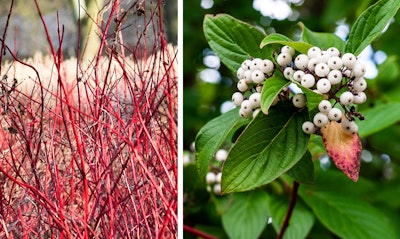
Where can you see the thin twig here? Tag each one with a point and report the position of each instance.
(199, 233)
(292, 204)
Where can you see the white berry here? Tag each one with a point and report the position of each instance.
(210, 178)
(244, 114)
(257, 76)
(323, 86)
(301, 61)
(324, 106)
(240, 73)
(308, 127)
(246, 65)
(313, 52)
(359, 84)
(359, 69)
(312, 63)
(321, 69)
(217, 189)
(255, 100)
(359, 98)
(346, 98)
(218, 177)
(246, 106)
(299, 100)
(288, 49)
(237, 98)
(335, 114)
(320, 119)
(247, 76)
(335, 63)
(349, 126)
(284, 59)
(323, 57)
(308, 81)
(242, 85)
(255, 64)
(335, 77)
(333, 51)
(288, 72)
(221, 155)
(298, 75)
(266, 66)
(349, 60)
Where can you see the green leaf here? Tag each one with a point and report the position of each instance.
(211, 136)
(378, 118)
(270, 145)
(321, 40)
(247, 215)
(277, 38)
(370, 24)
(300, 222)
(272, 87)
(233, 41)
(313, 99)
(348, 217)
(303, 171)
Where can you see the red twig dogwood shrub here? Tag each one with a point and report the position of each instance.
(89, 150)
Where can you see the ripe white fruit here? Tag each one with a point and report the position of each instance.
(346, 98)
(288, 72)
(301, 61)
(335, 77)
(246, 65)
(240, 73)
(221, 155)
(312, 63)
(217, 189)
(349, 60)
(247, 76)
(288, 49)
(267, 66)
(255, 100)
(237, 98)
(308, 127)
(255, 64)
(257, 76)
(323, 86)
(321, 69)
(242, 85)
(218, 177)
(246, 106)
(349, 126)
(359, 69)
(324, 106)
(299, 100)
(313, 52)
(210, 178)
(335, 63)
(244, 114)
(308, 80)
(359, 84)
(333, 51)
(323, 57)
(284, 59)
(359, 98)
(320, 119)
(335, 114)
(298, 75)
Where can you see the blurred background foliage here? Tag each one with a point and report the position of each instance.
(209, 85)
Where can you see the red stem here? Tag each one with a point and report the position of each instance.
(292, 204)
(199, 233)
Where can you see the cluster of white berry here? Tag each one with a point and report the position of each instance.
(252, 75)
(213, 177)
(339, 77)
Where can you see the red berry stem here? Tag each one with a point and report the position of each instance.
(197, 232)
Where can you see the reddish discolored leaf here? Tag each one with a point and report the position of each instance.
(343, 148)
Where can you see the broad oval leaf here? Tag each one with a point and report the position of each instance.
(276, 38)
(233, 41)
(269, 146)
(348, 217)
(303, 171)
(271, 88)
(246, 216)
(301, 220)
(370, 24)
(211, 136)
(321, 40)
(378, 118)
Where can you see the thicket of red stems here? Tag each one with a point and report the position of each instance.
(91, 152)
